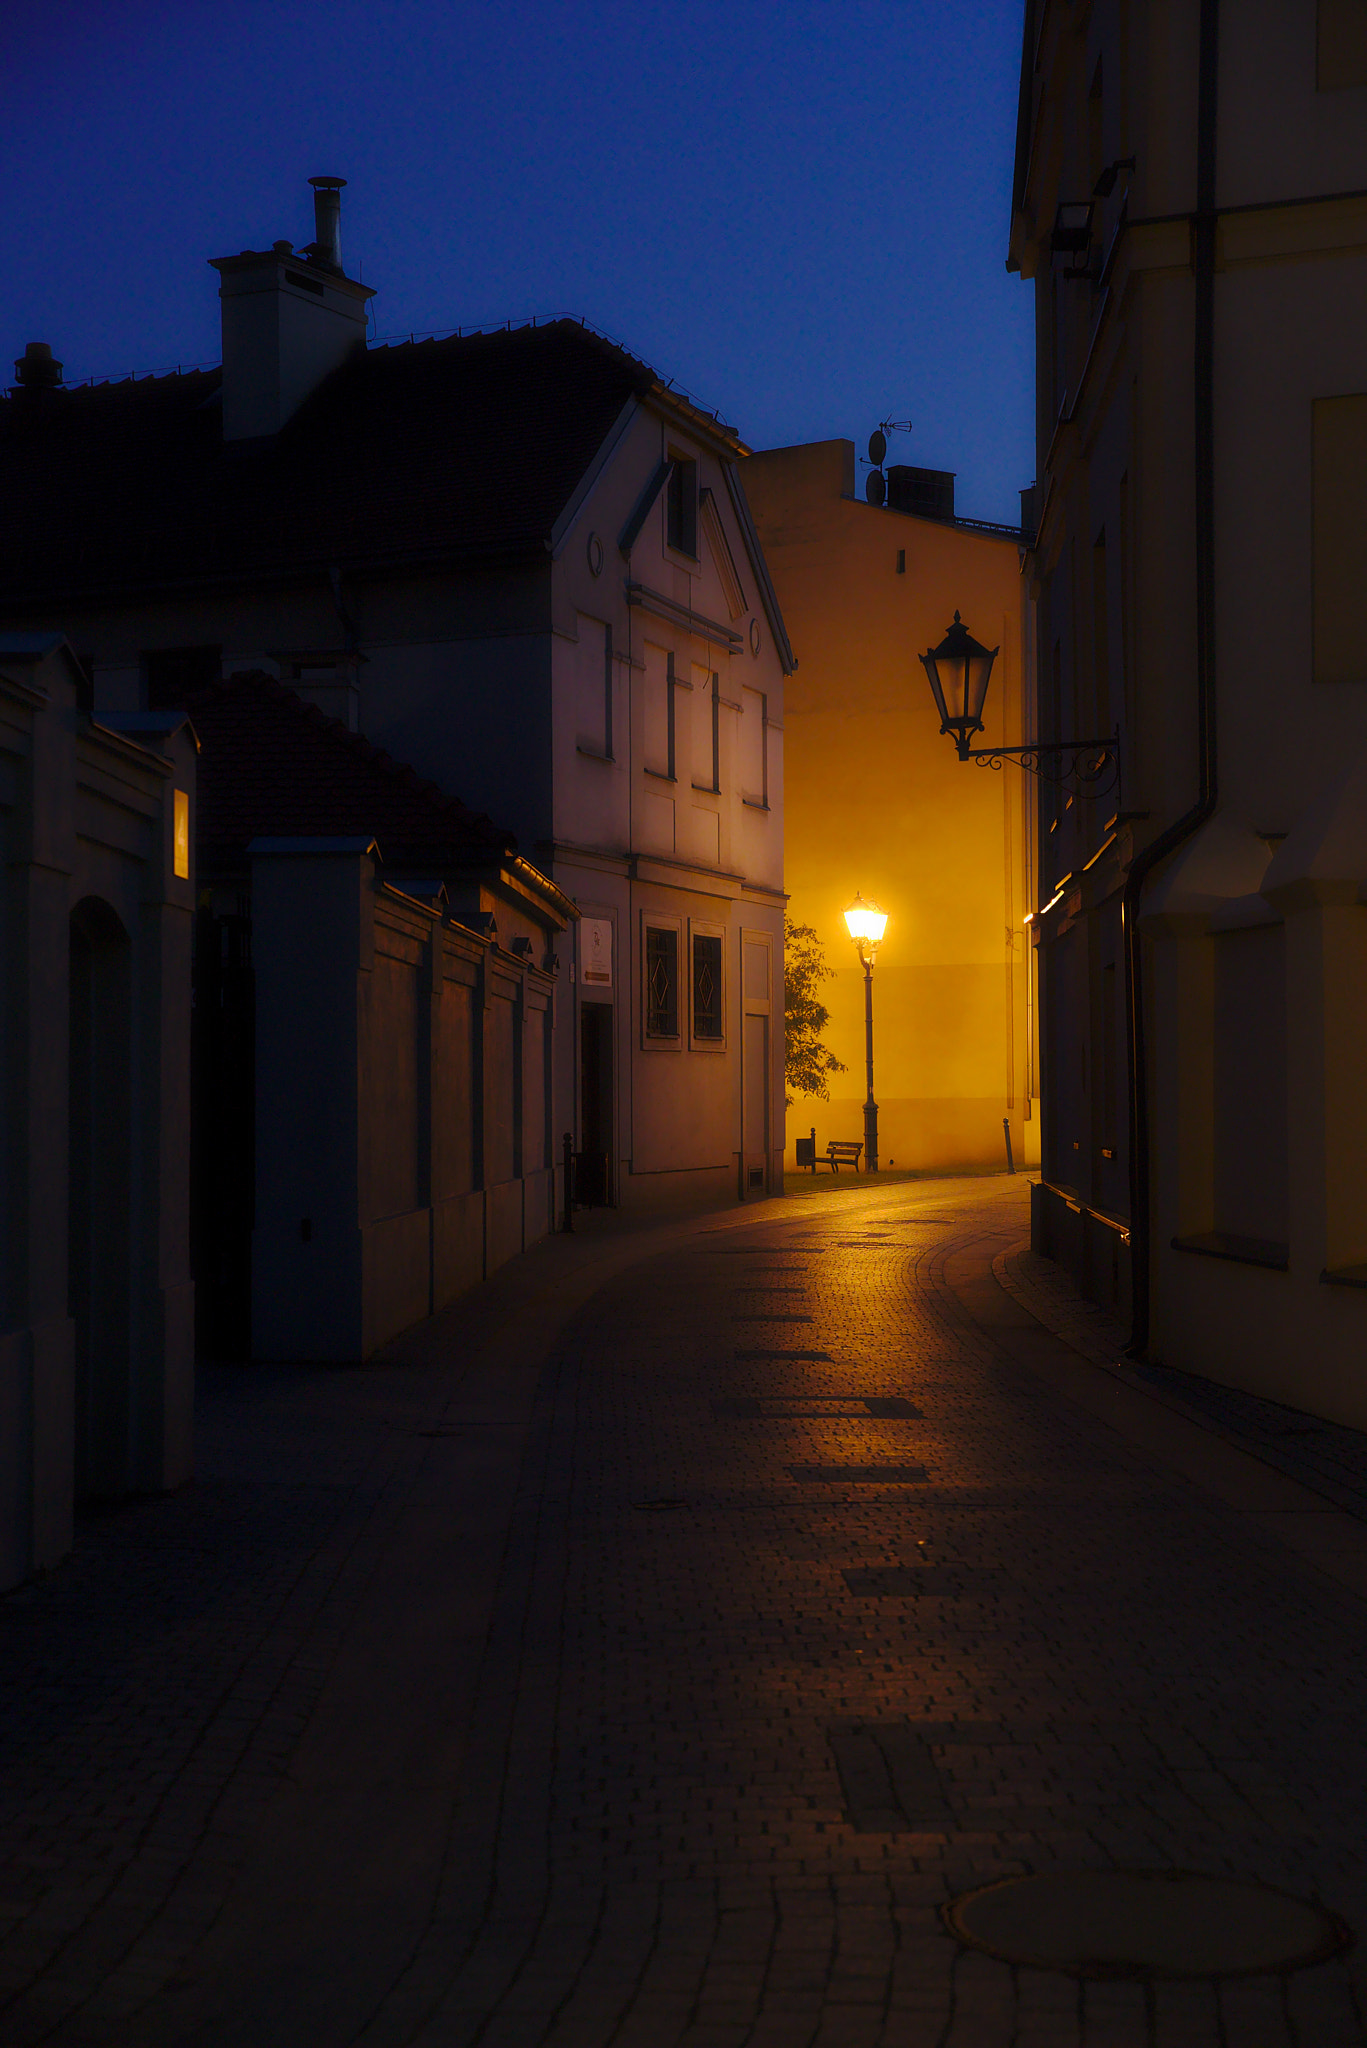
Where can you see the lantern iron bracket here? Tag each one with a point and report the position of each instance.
(1090, 770)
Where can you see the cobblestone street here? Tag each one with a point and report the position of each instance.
(643, 1653)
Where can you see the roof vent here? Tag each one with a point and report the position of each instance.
(37, 368)
(326, 249)
(929, 492)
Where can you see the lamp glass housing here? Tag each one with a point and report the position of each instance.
(959, 670)
(866, 923)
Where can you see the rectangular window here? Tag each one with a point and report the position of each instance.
(1251, 1125)
(708, 1020)
(1101, 720)
(1340, 537)
(659, 709)
(754, 749)
(607, 691)
(662, 982)
(593, 688)
(1340, 45)
(681, 506)
(706, 729)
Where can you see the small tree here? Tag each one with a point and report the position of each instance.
(806, 1061)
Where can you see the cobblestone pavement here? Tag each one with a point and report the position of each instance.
(1325, 1455)
(642, 1658)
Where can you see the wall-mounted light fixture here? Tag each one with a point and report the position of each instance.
(960, 669)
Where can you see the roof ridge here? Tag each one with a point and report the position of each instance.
(357, 743)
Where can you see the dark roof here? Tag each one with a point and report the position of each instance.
(470, 445)
(272, 766)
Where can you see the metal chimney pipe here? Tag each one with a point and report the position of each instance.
(327, 222)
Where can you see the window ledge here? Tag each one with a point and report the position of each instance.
(593, 753)
(706, 788)
(754, 803)
(1243, 1251)
(1345, 1276)
(659, 775)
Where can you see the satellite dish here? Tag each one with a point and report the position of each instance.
(875, 483)
(878, 447)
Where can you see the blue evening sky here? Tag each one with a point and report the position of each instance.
(797, 211)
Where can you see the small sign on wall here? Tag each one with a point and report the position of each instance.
(595, 952)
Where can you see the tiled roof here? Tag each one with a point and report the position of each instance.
(471, 445)
(272, 766)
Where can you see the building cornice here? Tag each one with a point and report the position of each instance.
(643, 598)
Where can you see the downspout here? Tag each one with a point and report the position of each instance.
(1203, 257)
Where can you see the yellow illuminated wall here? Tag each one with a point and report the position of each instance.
(876, 799)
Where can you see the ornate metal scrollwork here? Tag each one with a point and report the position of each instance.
(1087, 768)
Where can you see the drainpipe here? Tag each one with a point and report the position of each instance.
(1203, 229)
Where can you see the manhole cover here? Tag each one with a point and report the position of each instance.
(1117, 1923)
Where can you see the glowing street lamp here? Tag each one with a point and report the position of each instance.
(866, 924)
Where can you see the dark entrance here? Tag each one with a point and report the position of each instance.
(222, 1134)
(593, 1168)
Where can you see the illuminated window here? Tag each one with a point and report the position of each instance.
(681, 506)
(707, 988)
(662, 982)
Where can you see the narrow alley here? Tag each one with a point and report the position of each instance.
(654, 1673)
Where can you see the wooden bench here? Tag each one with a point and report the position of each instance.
(847, 1149)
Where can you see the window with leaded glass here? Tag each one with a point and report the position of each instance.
(707, 1009)
(662, 983)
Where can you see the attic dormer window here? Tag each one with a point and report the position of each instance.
(681, 506)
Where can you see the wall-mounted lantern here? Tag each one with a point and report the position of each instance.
(960, 669)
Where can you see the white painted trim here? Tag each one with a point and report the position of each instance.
(616, 433)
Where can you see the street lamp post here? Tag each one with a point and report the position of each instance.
(866, 924)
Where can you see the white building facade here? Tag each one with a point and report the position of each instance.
(519, 562)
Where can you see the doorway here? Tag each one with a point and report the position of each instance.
(594, 1164)
(99, 1195)
(755, 1108)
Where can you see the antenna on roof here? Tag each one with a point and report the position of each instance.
(876, 484)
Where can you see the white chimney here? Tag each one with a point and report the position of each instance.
(287, 322)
